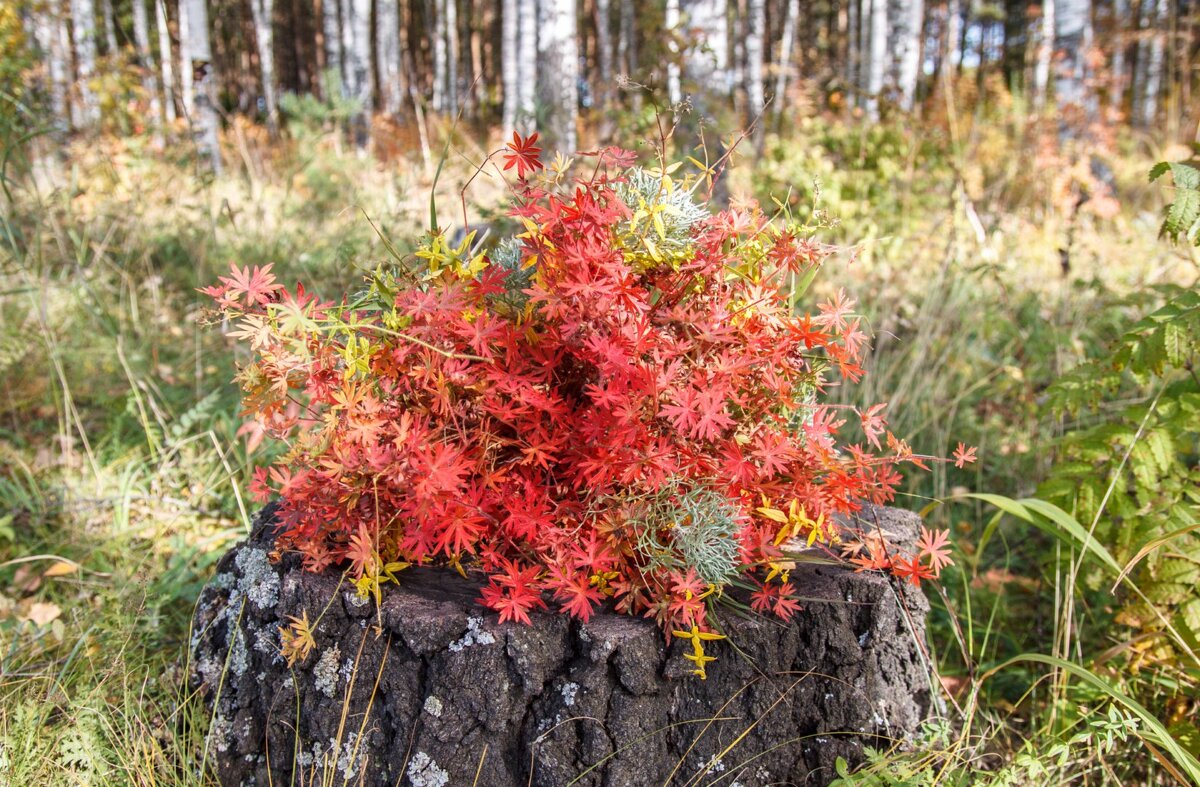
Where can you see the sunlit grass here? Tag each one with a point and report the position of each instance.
(122, 474)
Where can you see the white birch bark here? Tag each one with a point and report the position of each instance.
(1045, 54)
(952, 56)
(439, 58)
(604, 52)
(450, 14)
(262, 12)
(199, 96)
(1072, 33)
(909, 39)
(50, 34)
(508, 65)
(755, 60)
(786, 43)
(1119, 77)
(387, 56)
(141, 39)
(331, 33)
(674, 68)
(356, 43)
(706, 61)
(558, 70)
(110, 27)
(85, 111)
(527, 62)
(877, 56)
(166, 60)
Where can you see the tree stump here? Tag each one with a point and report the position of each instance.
(429, 689)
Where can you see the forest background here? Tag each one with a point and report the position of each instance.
(984, 163)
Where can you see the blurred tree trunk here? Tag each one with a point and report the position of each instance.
(1041, 74)
(558, 70)
(262, 12)
(85, 111)
(877, 56)
(911, 24)
(110, 27)
(141, 39)
(1154, 14)
(331, 34)
(356, 64)
(755, 66)
(199, 98)
(674, 66)
(952, 43)
(508, 67)
(166, 60)
(50, 33)
(527, 63)
(627, 48)
(387, 55)
(604, 55)
(786, 42)
(1118, 76)
(1072, 38)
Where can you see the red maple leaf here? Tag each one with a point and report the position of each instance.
(934, 545)
(524, 155)
(964, 456)
(258, 285)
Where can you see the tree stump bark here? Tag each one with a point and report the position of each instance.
(429, 689)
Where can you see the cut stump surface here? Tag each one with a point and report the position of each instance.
(430, 689)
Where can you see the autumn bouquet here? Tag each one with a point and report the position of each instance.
(620, 402)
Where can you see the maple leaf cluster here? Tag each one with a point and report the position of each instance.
(621, 403)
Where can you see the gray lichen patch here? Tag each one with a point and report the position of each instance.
(325, 673)
(258, 582)
(475, 636)
(424, 772)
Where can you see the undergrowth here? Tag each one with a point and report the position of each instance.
(123, 476)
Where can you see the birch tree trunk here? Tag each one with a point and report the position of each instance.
(1072, 33)
(508, 65)
(527, 62)
(674, 67)
(166, 60)
(1041, 73)
(110, 27)
(141, 39)
(331, 32)
(627, 48)
(910, 37)
(262, 12)
(756, 30)
(199, 97)
(356, 43)
(558, 70)
(387, 55)
(86, 111)
(1119, 78)
(786, 42)
(706, 62)
(877, 57)
(604, 53)
(450, 15)
(53, 42)
(952, 47)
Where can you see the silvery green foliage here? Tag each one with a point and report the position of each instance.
(507, 256)
(682, 526)
(645, 190)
